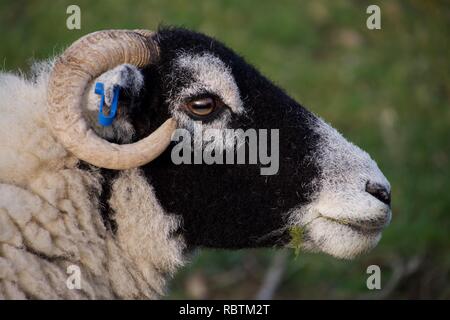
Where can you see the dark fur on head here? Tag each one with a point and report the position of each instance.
(234, 206)
(228, 206)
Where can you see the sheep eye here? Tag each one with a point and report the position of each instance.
(202, 107)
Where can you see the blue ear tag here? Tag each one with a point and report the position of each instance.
(106, 120)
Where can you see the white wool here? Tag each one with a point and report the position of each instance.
(50, 219)
(26, 144)
(145, 229)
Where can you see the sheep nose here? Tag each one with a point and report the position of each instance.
(379, 191)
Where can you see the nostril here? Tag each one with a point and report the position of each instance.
(379, 191)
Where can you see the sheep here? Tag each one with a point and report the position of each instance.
(110, 200)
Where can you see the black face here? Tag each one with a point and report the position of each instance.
(229, 206)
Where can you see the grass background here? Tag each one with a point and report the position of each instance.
(386, 90)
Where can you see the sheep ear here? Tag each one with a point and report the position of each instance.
(83, 61)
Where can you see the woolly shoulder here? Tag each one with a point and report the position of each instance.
(26, 144)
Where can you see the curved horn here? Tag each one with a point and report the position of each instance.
(83, 61)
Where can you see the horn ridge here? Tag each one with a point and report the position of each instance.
(83, 61)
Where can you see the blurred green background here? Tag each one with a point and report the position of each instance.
(386, 90)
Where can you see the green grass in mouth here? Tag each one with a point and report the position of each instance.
(296, 234)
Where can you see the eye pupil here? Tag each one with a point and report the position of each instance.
(202, 107)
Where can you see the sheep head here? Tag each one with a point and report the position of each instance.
(324, 185)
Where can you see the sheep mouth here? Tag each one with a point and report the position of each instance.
(365, 227)
(341, 237)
